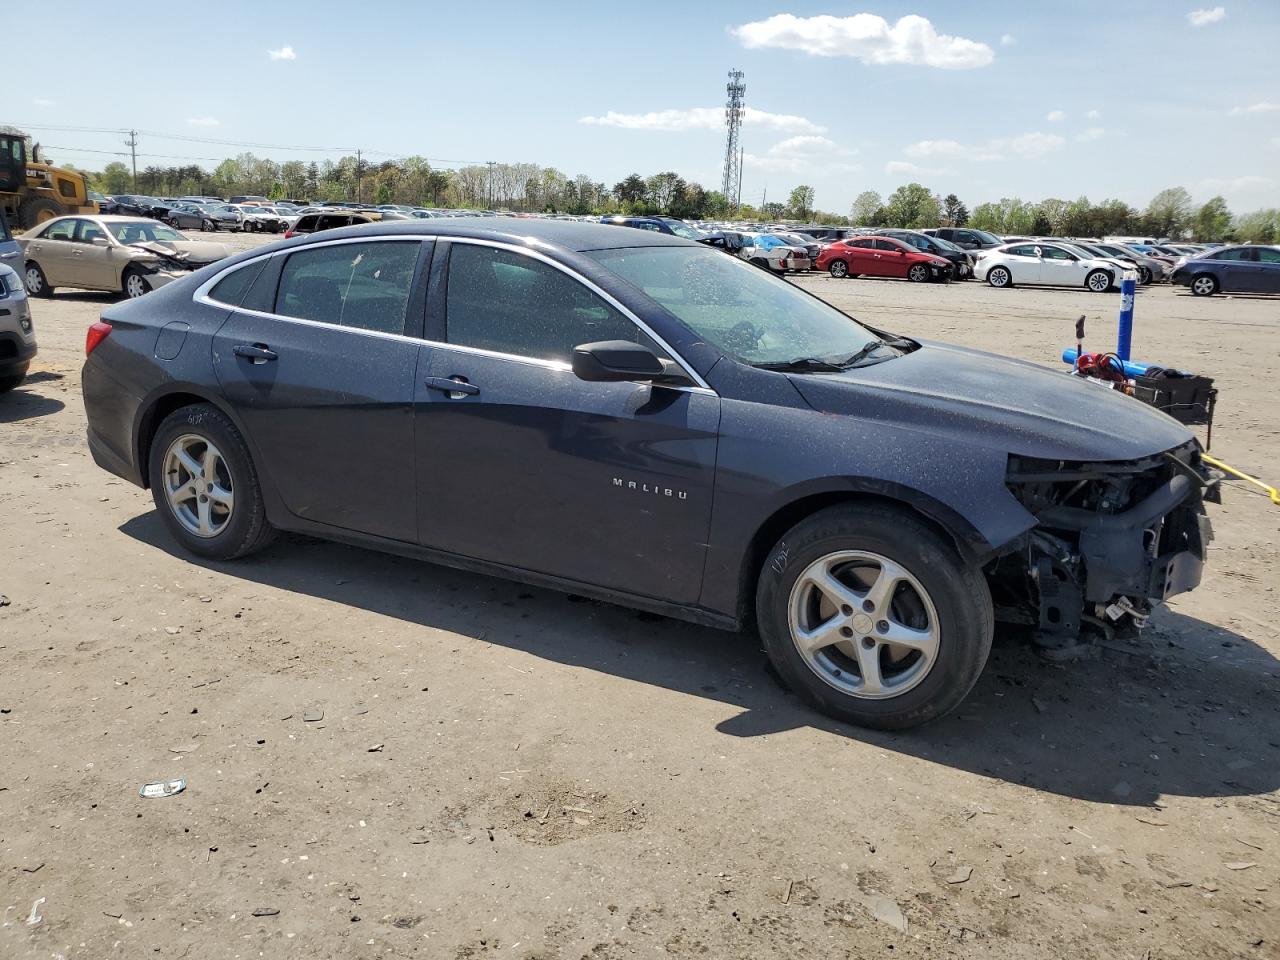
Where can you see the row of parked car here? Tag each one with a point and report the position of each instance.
(957, 253)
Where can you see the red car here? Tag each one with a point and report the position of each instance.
(881, 257)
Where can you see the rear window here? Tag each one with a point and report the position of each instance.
(360, 285)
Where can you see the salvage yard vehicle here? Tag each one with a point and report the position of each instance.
(634, 417)
(131, 255)
(961, 261)
(875, 256)
(17, 335)
(1243, 269)
(1045, 264)
(331, 219)
(32, 190)
(770, 252)
(184, 216)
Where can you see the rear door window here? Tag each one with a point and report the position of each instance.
(360, 285)
(1266, 255)
(62, 230)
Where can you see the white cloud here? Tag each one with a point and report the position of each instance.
(204, 121)
(1229, 185)
(912, 40)
(1263, 107)
(1093, 133)
(1056, 116)
(1008, 40)
(1206, 16)
(1094, 114)
(803, 154)
(702, 118)
(1026, 145)
(903, 168)
(42, 102)
(284, 53)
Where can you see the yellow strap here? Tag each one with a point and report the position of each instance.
(1215, 462)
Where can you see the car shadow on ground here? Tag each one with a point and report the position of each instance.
(1187, 712)
(24, 404)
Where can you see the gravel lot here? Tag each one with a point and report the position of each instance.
(404, 760)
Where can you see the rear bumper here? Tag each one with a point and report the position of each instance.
(111, 411)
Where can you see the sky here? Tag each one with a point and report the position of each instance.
(1102, 98)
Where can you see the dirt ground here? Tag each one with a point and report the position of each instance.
(390, 759)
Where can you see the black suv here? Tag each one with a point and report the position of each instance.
(966, 238)
(961, 262)
(630, 416)
(668, 225)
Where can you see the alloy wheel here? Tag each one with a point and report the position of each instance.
(838, 268)
(998, 277)
(1098, 282)
(1202, 286)
(918, 273)
(863, 624)
(198, 486)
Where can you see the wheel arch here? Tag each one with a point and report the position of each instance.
(159, 404)
(969, 544)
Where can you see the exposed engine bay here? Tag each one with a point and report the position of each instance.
(1113, 540)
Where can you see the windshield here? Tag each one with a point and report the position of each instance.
(947, 245)
(133, 232)
(984, 236)
(683, 230)
(742, 310)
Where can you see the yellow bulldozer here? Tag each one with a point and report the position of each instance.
(32, 190)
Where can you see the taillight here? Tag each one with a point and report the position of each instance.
(97, 333)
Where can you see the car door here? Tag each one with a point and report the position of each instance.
(1234, 269)
(319, 361)
(1023, 262)
(860, 255)
(93, 256)
(53, 251)
(891, 258)
(1267, 275)
(521, 463)
(1060, 267)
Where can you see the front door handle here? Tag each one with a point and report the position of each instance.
(254, 353)
(456, 387)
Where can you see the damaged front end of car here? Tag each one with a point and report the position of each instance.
(1112, 540)
(163, 264)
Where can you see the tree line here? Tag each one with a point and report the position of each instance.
(530, 187)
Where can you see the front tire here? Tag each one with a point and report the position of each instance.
(1000, 277)
(13, 378)
(1204, 285)
(918, 273)
(1099, 281)
(205, 485)
(838, 269)
(870, 614)
(36, 282)
(1144, 276)
(134, 284)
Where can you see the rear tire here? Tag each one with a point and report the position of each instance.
(838, 269)
(36, 282)
(999, 277)
(934, 594)
(1204, 285)
(244, 529)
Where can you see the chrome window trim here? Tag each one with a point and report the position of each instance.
(201, 296)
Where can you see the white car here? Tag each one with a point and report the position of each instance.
(1044, 264)
(769, 251)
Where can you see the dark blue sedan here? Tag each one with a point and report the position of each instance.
(1246, 269)
(635, 417)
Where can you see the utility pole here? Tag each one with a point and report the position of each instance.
(764, 199)
(359, 177)
(132, 144)
(492, 164)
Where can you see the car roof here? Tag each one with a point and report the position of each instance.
(568, 234)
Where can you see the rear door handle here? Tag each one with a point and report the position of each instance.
(254, 353)
(455, 387)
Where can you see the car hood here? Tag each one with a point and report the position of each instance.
(194, 252)
(980, 398)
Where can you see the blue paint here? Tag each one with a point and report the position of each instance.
(1124, 336)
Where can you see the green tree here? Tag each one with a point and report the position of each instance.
(1169, 213)
(913, 205)
(116, 178)
(1212, 221)
(800, 203)
(986, 216)
(1261, 226)
(1054, 213)
(867, 210)
(1075, 218)
(954, 212)
(630, 190)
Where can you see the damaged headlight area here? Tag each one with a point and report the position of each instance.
(1111, 541)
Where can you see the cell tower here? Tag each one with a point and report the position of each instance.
(733, 110)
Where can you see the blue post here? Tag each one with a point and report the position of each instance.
(1124, 336)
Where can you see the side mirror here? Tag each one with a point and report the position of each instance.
(614, 361)
(100, 242)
